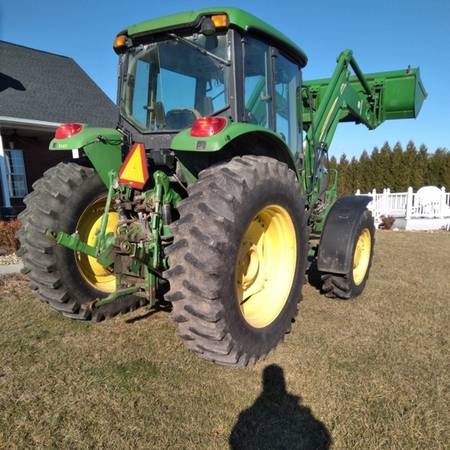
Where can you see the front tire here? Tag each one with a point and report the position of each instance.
(238, 260)
(351, 284)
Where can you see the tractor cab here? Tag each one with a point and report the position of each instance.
(206, 67)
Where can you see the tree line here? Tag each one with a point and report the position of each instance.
(395, 168)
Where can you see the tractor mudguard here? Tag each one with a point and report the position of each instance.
(103, 147)
(335, 253)
(184, 142)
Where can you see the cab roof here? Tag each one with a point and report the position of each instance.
(238, 19)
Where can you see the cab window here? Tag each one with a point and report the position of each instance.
(258, 101)
(287, 80)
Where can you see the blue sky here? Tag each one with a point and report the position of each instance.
(384, 35)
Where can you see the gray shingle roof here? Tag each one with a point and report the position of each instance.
(44, 86)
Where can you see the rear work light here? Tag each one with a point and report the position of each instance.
(67, 130)
(208, 126)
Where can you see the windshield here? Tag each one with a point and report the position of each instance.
(170, 83)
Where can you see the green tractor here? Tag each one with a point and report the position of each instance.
(214, 190)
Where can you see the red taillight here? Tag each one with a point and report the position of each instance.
(68, 129)
(208, 126)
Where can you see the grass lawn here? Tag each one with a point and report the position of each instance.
(366, 374)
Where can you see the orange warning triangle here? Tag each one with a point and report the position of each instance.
(134, 170)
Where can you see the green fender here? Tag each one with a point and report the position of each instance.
(103, 147)
(184, 142)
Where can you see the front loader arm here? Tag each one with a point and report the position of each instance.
(369, 99)
(339, 96)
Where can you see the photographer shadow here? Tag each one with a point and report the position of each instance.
(278, 420)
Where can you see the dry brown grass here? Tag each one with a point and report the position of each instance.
(365, 374)
(8, 242)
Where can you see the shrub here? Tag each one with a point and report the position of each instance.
(386, 222)
(8, 242)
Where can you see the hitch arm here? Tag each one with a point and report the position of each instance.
(71, 241)
(103, 243)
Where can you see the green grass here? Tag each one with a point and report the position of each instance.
(366, 374)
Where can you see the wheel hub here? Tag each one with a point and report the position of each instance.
(250, 266)
(87, 227)
(266, 266)
(361, 256)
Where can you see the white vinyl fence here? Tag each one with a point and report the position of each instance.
(428, 202)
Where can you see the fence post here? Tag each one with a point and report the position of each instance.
(358, 192)
(443, 203)
(409, 202)
(373, 205)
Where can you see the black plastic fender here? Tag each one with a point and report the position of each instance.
(335, 253)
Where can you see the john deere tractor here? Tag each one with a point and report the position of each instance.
(213, 192)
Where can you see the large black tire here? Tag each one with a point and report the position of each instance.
(56, 203)
(203, 258)
(343, 286)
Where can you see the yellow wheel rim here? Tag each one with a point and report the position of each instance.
(266, 266)
(361, 256)
(94, 273)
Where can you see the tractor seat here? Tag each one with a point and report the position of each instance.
(177, 119)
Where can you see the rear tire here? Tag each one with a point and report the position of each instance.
(352, 284)
(59, 199)
(204, 273)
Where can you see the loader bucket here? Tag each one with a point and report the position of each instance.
(400, 93)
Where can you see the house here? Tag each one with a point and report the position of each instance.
(38, 92)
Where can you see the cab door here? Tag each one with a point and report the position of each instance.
(271, 86)
(286, 90)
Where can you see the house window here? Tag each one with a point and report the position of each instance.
(15, 167)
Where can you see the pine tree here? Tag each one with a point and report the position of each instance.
(396, 169)
(437, 168)
(352, 183)
(333, 168)
(409, 162)
(365, 174)
(375, 170)
(399, 173)
(385, 161)
(420, 175)
(343, 185)
(446, 171)
(332, 163)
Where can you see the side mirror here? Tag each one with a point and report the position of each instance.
(207, 26)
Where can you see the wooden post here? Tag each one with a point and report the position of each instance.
(409, 203)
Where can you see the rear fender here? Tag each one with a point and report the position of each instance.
(335, 253)
(237, 136)
(103, 147)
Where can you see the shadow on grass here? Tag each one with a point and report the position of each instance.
(314, 276)
(278, 420)
(160, 306)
